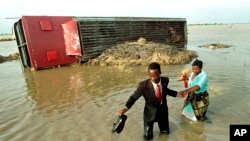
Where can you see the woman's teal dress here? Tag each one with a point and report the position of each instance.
(196, 103)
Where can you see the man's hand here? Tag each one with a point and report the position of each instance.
(123, 111)
(181, 94)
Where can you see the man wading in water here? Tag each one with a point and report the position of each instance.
(155, 91)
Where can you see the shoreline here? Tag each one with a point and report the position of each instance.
(7, 37)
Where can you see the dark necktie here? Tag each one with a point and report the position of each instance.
(158, 93)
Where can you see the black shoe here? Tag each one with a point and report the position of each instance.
(147, 137)
(119, 125)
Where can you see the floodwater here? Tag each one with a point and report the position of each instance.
(80, 103)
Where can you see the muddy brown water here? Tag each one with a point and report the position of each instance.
(80, 103)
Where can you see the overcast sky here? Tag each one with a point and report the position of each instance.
(195, 11)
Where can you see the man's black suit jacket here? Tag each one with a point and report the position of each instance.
(152, 107)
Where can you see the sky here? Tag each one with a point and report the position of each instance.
(195, 11)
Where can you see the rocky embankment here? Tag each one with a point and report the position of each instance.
(142, 53)
(13, 56)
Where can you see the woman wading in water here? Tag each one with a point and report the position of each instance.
(197, 101)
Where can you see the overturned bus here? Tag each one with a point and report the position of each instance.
(46, 41)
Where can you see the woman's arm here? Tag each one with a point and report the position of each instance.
(192, 89)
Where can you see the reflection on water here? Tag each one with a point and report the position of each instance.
(76, 85)
(81, 102)
(42, 85)
(83, 96)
